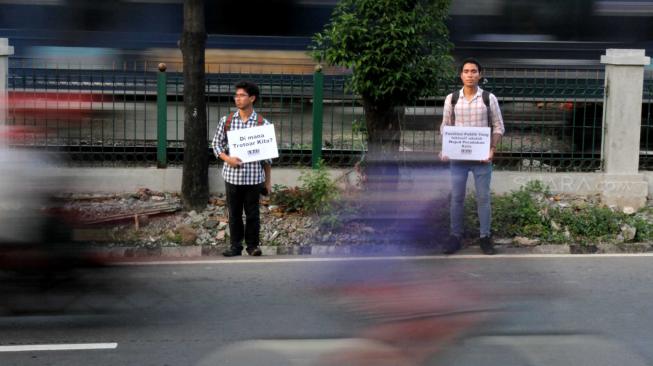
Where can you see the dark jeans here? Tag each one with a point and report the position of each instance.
(246, 197)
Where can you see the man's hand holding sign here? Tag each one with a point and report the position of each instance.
(252, 144)
(467, 143)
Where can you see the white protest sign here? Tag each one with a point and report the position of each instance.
(253, 144)
(466, 143)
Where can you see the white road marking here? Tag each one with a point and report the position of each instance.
(58, 347)
(305, 259)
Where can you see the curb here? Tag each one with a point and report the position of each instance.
(195, 251)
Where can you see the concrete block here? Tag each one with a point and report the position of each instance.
(320, 249)
(269, 250)
(182, 252)
(213, 250)
(551, 249)
(635, 247)
(624, 191)
(625, 57)
(285, 251)
(340, 250)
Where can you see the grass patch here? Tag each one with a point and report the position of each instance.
(533, 212)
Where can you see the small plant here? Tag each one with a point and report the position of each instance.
(289, 199)
(521, 213)
(643, 227)
(358, 126)
(319, 189)
(315, 194)
(590, 223)
(173, 237)
(536, 186)
(330, 221)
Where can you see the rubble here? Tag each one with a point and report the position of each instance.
(140, 219)
(150, 219)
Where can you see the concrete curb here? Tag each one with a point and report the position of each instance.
(195, 251)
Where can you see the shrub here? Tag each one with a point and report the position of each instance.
(589, 223)
(315, 195)
(319, 189)
(519, 213)
(644, 229)
(289, 199)
(528, 212)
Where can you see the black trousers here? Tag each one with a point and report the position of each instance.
(245, 197)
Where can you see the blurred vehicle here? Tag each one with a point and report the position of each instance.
(72, 107)
(431, 321)
(551, 33)
(522, 31)
(35, 238)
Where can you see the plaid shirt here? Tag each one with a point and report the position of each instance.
(247, 173)
(473, 113)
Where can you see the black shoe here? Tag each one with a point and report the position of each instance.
(232, 252)
(452, 245)
(487, 247)
(254, 252)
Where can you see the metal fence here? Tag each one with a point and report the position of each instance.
(93, 114)
(108, 114)
(553, 118)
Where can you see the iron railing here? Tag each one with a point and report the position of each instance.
(108, 114)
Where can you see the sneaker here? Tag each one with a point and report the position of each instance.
(452, 245)
(254, 252)
(232, 252)
(487, 247)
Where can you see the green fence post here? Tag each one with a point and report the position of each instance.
(318, 94)
(162, 118)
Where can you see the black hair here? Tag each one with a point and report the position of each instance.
(471, 60)
(251, 88)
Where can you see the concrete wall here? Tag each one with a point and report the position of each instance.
(169, 180)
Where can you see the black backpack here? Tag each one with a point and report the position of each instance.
(486, 100)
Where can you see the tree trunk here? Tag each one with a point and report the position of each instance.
(383, 130)
(382, 162)
(195, 179)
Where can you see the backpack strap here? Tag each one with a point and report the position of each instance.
(227, 124)
(454, 99)
(230, 116)
(486, 101)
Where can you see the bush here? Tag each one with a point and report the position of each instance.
(644, 229)
(530, 212)
(289, 199)
(589, 223)
(519, 213)
(319, 189)
(315, 195)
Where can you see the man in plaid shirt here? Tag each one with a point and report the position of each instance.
(470, 110)
(244, 182)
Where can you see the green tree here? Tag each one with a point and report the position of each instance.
(398, 51)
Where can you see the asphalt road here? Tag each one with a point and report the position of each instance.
(438, 311)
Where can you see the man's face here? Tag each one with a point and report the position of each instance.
(243, 100)
(470, 75)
